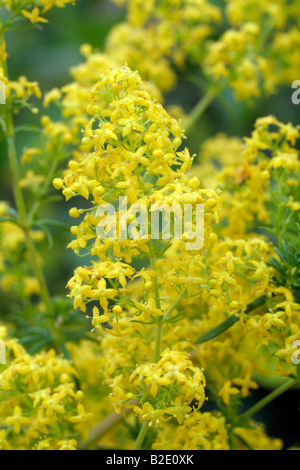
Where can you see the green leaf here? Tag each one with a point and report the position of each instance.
(2, 124)
(55, 223)
(218, 330)
(277, 266)
(28, 129)
(51, 198)
(47, 233)
(38, 346)
(64, 350)
(229, 322)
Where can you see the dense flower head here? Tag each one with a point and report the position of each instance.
(130, 150)
(236, 60)
(166, 389)
(208, 431)
(19, 90)
(249, 167)
(241, 58)
(277, 13)
(201, 431)
(48, 413)
(126, 119)
(131, 45)
(176, 31)
(193, 10)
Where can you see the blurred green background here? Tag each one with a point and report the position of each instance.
(46, 55)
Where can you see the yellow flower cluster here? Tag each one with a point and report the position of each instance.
(263, 171)
(172, 371)
(131, 150)
(175, 31)
(32, 10)
(202, 431)
(235, 60)
(260, 50)
(47, 413)
(277, 13)
(159, 38)
(255, 438)
(21, 88)
(208, 431)
(248, 168)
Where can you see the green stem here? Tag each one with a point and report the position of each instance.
(140, 439)
(159, 328)
(269, 398)
(158, 305)
(101, 429)
(38, 271)
(199, 110)
(43, 191)
(173, 306)
(158, 337)
(155, 279)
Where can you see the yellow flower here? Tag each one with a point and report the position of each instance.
(148, 413)
(34, 16)
(179, 410)
(67, 445)
(82, 416)
(17, 420)
(226, 392)
(51, 96)
(4, 445)
(246, 384)
(29, 154)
